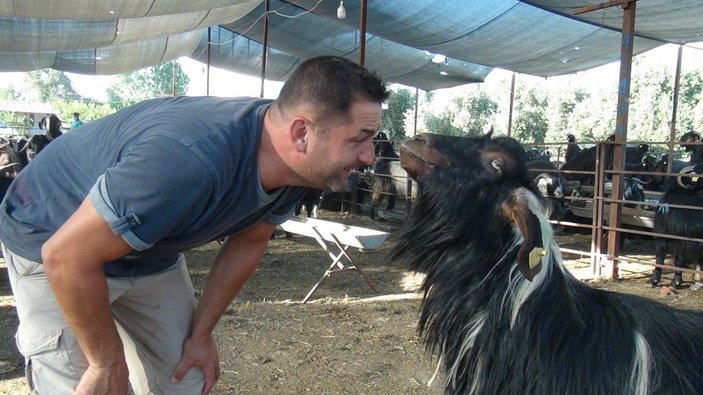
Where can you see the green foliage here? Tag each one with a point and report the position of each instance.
(531, 123)
(51, 85)
(400, 103)
(89, 111)
(9, 93)
(690, 103)
(147, 83)
(474, 112)
(20, 122)
(442, 124)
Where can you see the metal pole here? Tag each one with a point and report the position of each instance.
(416, 101)
(362, 33)
(173, 77)
(266, 40)
(615, 215)
(207, 75)
(672, 131)
(510, 110)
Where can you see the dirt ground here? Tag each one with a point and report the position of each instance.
(346, 340)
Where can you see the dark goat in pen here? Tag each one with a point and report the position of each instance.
(499, 307)
(586, 161)
(552, 186)
(572, 148)
(688, 191)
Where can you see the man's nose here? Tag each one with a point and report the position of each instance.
(368, 156)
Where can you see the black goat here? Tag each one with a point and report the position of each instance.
(500, 309)
(537, 154)
(695, 150)
(660, 182)
(572, 148)
(688, 191)
(311, 201)
(552, 186)
(586, 161)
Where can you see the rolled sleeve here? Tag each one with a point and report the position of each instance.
(120, 225)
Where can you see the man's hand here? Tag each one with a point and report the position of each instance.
(201, 353)
(104, 381)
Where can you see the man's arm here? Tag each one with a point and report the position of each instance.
(73, 258)
(237, 259)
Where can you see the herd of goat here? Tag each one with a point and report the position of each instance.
(560, 185)
(15, 154)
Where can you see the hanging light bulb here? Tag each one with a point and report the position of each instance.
(341, 11)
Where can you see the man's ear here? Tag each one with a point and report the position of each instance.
(299, 133)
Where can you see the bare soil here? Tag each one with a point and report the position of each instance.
(347, 339)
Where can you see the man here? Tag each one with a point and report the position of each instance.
(76, 121)
(94, 248)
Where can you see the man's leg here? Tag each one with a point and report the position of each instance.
(53, 358)
(156, 315)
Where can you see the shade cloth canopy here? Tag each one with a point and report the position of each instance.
(428, 44)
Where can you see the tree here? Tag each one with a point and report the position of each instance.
(690, 102)
(9, 93)
(531, 122)
(474, 112)
(88, 110)
(393, 118)
(442, 123)
(51, 85)
(147, 83)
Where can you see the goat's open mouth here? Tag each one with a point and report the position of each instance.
(412, 163)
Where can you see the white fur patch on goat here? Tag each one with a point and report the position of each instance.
(641, 366)
(519, 288)
(471, 330)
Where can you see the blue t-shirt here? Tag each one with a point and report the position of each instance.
(166, 174)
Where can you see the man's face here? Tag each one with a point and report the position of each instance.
(342, 147)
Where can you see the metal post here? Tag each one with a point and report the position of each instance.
(362, 33)
(615, 215)
(173, 77)
(266, 40)
(207, 75)
(416, 103)
(510, 110)
(674, 109)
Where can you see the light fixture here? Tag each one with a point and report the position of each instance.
(341, 11)
(98, 58)
(437, 58)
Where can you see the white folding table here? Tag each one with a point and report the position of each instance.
(330, 235)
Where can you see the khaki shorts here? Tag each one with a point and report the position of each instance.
(153, 315)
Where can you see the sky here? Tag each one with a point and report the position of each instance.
(226, 83)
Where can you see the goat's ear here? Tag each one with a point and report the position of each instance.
(529, 256)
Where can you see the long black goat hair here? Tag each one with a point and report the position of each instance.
(499, 308)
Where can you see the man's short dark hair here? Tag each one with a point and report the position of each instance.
(75, 114)
(331, 84)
